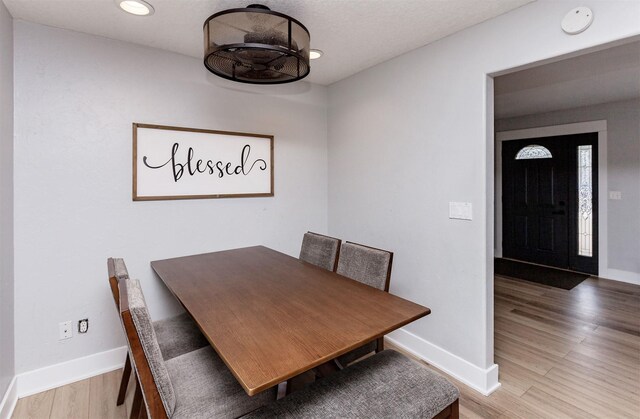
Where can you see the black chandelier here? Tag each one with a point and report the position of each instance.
(256, 45)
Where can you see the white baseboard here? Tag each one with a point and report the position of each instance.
(620, 275)
(9, 400)
(57, 375)
(483, 380)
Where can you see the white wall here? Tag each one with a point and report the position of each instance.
(410, 135)
(623, 172)
(405, 138)
(6, 200)
(76, 97)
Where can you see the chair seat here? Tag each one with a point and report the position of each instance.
(386, 385)
(357, 353)
(205, 388)
(178, 335)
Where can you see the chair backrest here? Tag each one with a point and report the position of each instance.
(366, 264)
(117, 269)
(320, 250)
(145, 352)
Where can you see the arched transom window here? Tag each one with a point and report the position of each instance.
(533, 151)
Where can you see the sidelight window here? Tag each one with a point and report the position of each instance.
(585, 201)
(533, 151)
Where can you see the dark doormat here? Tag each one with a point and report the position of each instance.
(540, 274)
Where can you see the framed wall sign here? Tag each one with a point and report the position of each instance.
(186, 163)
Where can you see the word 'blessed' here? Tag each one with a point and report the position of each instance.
(209, 167)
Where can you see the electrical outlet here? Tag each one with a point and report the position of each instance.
(83, 326)
(65, 331)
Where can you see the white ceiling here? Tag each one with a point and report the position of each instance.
(354, 34)
(605, 76)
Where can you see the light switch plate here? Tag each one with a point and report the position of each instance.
(460, 210)
(615, 195)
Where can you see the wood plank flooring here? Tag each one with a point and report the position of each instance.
(567, 353)
(562, 354)
(93, 398)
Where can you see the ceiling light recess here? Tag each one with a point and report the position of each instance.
(256, 45)
(315, 54)
(136, 7)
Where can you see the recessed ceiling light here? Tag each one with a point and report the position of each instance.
(136, 7)
(315, 54)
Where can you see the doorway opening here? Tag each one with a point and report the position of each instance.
(549, 214)
(565, 132)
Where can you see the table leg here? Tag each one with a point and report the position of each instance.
(298, 382)
(328, 368)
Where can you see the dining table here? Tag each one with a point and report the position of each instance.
(271, 317)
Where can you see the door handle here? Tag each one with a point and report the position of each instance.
(558, 212)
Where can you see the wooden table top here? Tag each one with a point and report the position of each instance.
(271, 317)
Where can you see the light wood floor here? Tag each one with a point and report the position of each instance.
(561, 354)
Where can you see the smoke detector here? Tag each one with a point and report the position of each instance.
(577, 20)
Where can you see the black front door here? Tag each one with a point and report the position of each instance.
(543, 213)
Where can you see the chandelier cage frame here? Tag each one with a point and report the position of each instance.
(301, 55)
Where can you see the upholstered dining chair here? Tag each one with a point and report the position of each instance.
(196, 384)
(369, 266)
(176, 335)
(320, 250)
(385, 385)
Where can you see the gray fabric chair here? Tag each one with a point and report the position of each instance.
(369, 266)
(320, 250)
(176, 335)
(193, 385)
(386, 385)
(365, 264)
